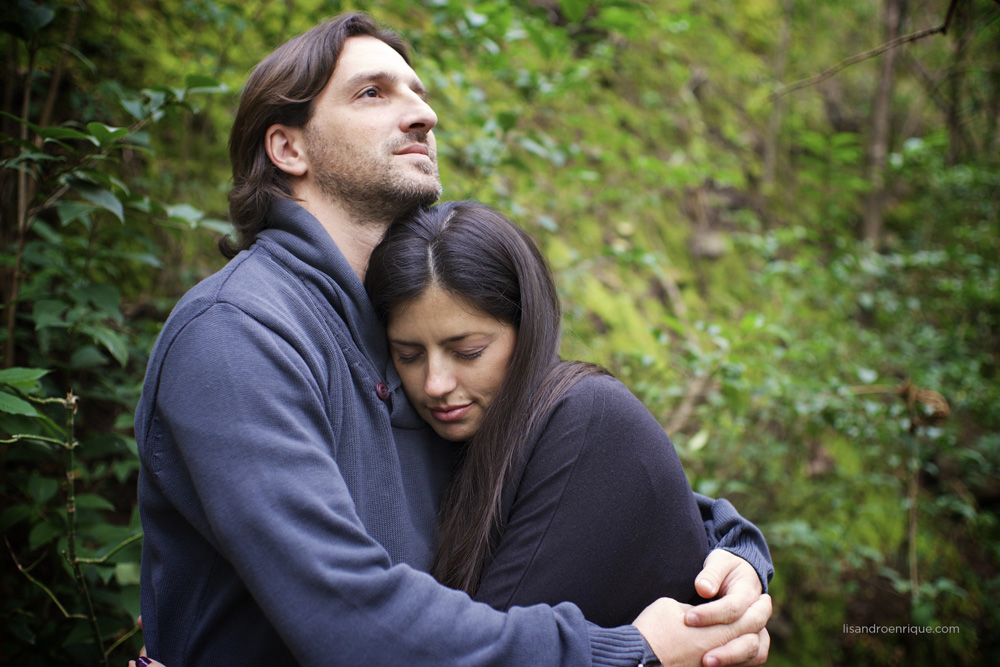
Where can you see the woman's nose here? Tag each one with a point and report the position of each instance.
(440, 380)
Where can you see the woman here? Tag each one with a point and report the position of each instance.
(555, 505)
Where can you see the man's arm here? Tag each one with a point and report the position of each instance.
(726, 529)
(736, 573)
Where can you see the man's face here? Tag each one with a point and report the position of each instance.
(369, 142)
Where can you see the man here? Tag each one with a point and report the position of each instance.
(288, 490)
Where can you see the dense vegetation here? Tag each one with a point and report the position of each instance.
(800, 281)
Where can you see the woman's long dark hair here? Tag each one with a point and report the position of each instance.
(473, 251)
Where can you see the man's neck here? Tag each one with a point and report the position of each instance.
(356, 235)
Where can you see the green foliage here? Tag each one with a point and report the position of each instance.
(83, 239)
(790, 362)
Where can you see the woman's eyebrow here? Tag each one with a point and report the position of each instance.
(450, 339)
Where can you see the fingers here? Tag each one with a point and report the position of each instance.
(739, 589)
(719, 612)
(745, 651)
(717, 566)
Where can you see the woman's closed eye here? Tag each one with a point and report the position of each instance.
(407, 358)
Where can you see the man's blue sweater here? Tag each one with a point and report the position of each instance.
(288, 492)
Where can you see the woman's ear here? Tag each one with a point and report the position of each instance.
(286, 148)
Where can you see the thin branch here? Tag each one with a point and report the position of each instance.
(823, 76)
(36, 582)
(847, 62)
(28, 436)
(124, 638)
(103, 559)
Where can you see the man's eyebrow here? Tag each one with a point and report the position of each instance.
(385, 78)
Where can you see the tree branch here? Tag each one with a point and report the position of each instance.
(847, 62)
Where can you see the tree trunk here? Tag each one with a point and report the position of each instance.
(878, 148)
(777, 108)
(956, 79)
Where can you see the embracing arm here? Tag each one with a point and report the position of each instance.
(726, 529)
(735, 579)
(242, 445)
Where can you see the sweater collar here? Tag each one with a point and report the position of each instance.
(298, 232)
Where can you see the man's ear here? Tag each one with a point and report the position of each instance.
(286, 148)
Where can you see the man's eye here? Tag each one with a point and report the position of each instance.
(370, 92)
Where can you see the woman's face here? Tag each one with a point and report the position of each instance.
(451, 358)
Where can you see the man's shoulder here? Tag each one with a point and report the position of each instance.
(255, 283)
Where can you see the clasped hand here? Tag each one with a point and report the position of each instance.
(729, 630)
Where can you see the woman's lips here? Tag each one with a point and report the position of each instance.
(450, 413)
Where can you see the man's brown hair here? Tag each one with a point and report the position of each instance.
(281, 90)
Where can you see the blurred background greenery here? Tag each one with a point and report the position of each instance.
(799, 280)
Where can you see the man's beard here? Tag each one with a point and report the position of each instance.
(373, 189)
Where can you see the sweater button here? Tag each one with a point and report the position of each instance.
(382, 391)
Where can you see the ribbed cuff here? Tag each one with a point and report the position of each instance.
(754, 551)
(616, 647)
(743, 539)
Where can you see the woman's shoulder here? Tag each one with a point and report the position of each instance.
(602, 393)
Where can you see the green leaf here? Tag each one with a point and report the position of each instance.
(106, 134)
(104, 297)
(87, 356)
(48, 313)
(94, 502)
(219, 226)
(58, 133)
(199, 81)
(22, 377)
(698, 441)
(14, 515)
(134, 107)
(102, 198)
(42, 489)
(144, 258)
(185, 213)
(127, 573)
(112, 341)
(32, 17)
(18, 627)
(70, 211)
(507, 120)
(16, 406)
(574, 10)
(34, 128)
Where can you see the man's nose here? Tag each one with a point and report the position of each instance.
(419, 115)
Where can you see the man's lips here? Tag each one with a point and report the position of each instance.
(450, 413)
(414, 149)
